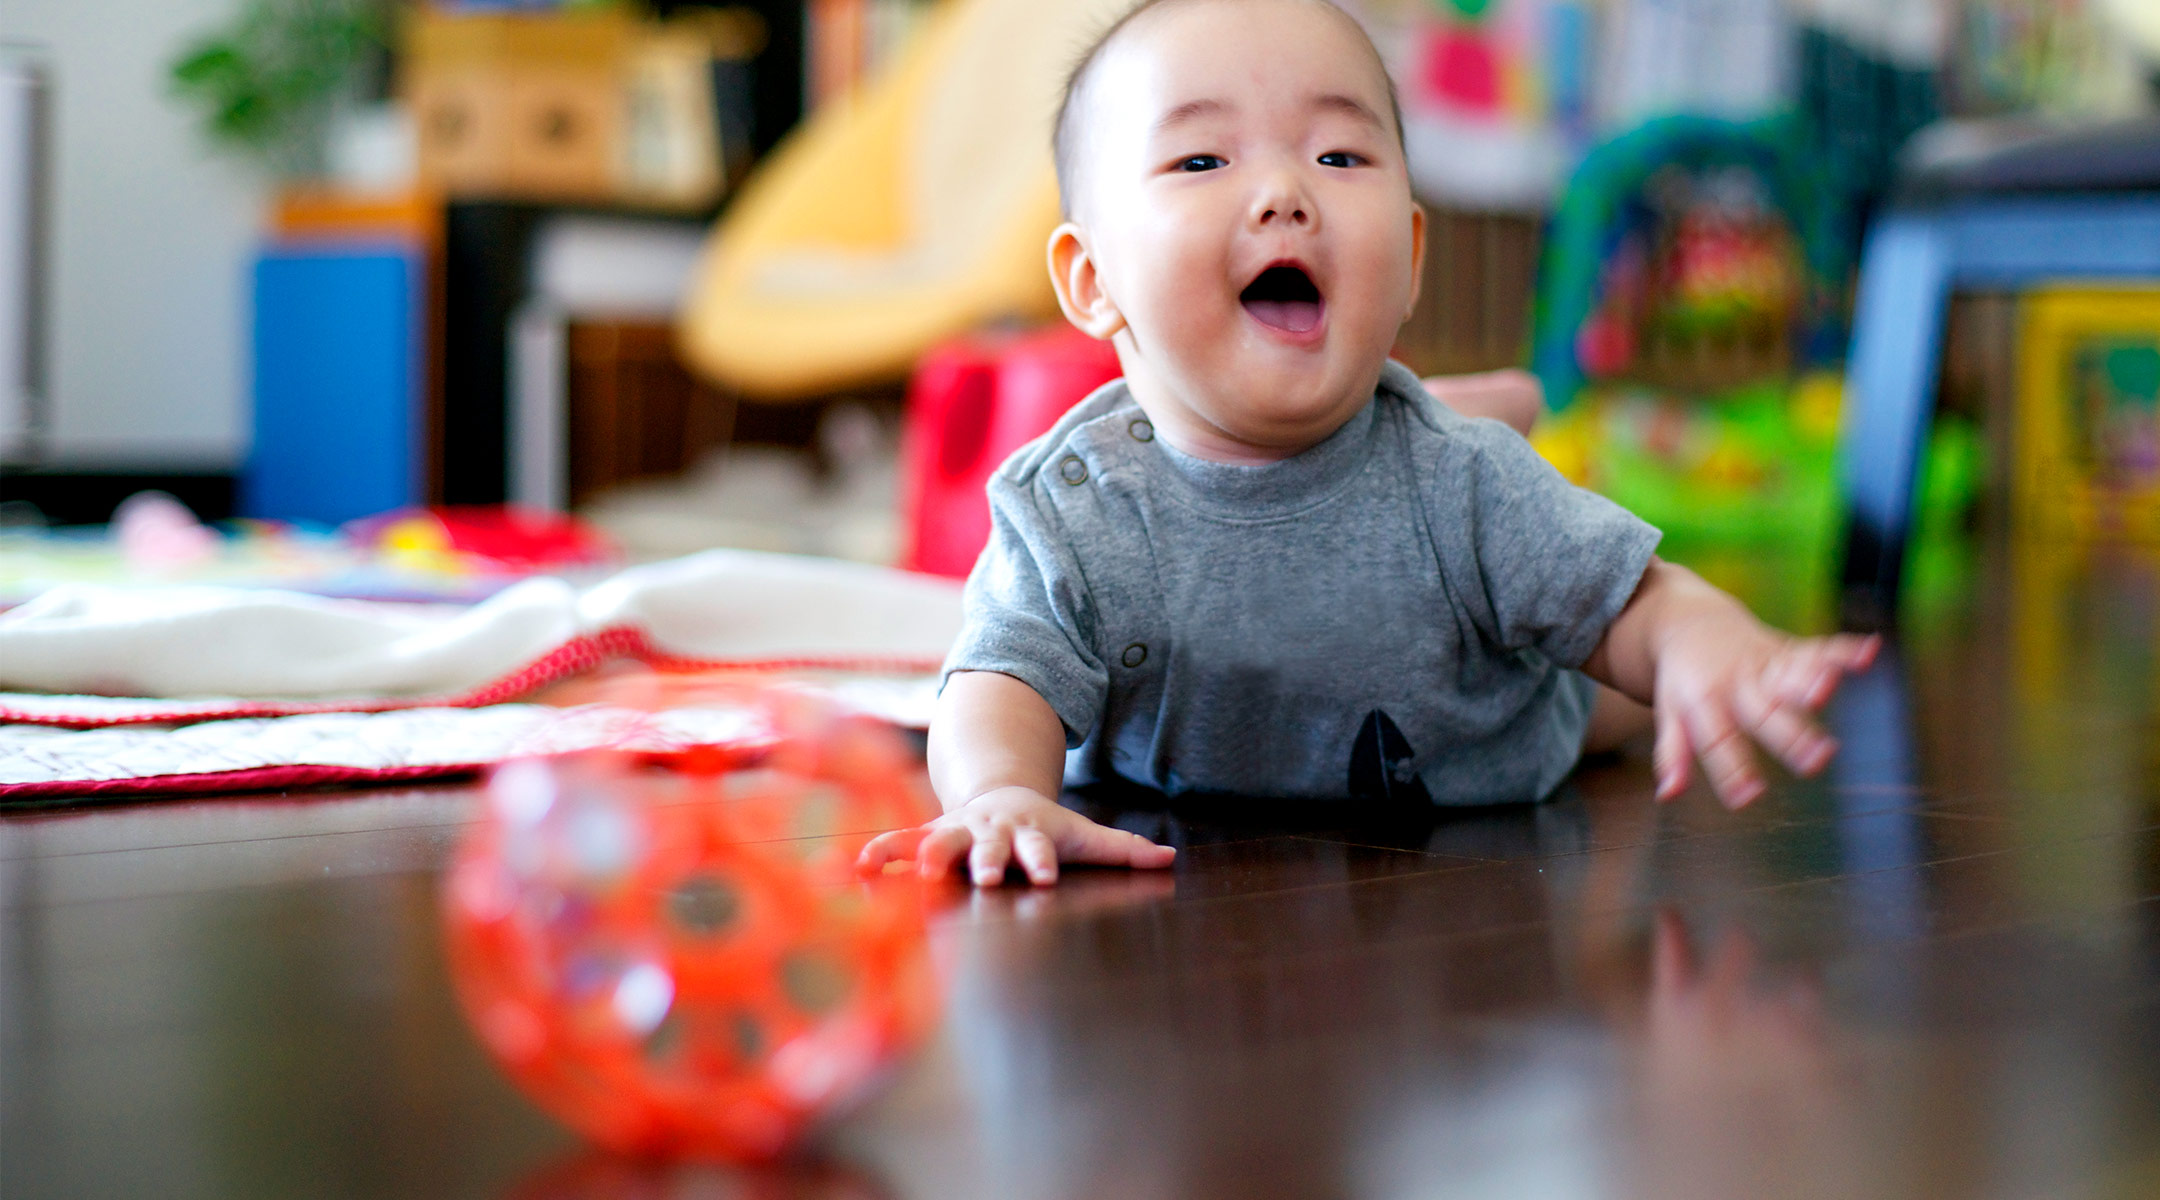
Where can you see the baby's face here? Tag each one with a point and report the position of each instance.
(1246, 212)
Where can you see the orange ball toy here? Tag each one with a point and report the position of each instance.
(677, 958)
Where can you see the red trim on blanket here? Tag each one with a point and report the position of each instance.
(574, 657)
(671, 664)
(251, 779)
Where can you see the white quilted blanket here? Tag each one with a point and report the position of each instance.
(203, 688)
(723, 606)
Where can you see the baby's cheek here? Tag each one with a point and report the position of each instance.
(1184, 325)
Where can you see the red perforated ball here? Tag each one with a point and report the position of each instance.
(678, 959)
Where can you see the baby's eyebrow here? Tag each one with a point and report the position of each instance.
(1189, 111)
(1193, 110)
(1338, 102)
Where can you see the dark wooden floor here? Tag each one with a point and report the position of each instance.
(1935, 972)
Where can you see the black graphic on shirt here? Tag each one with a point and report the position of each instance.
(1383, 765)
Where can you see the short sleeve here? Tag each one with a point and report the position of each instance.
(1557, 562)
(1028, 612)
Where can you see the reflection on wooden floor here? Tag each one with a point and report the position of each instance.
(1934, 972)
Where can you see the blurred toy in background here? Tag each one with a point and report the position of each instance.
(1687, 292)
(466, 540)
(2088, 414)
(1689, 252)
(677, 959)
(972, 403)
(159, 536)
(1743, 484)
(1728, 268)
(457, 554)
(2112, 409)
(1751, 465)
(1702, 282)
(1495, 93)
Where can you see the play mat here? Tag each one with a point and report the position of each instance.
(176, 687)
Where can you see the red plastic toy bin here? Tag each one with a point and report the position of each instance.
(971, 404)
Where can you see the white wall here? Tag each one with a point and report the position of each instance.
(152, 236)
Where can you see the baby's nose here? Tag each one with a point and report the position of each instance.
(1281, 200)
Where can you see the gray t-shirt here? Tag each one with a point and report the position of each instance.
(1390, 614)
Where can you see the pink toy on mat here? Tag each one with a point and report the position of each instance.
(158, 536)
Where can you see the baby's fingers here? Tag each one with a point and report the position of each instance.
(1804, 675)
(896, 846)
(1725, 756)
(940, 851)
(991, 855)
(1672, 757)
(1037, 855)
(1855, 653)
(1092, 843)
(1785, 730)
(1810, 671)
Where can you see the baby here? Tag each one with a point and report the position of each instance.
(1267, 561)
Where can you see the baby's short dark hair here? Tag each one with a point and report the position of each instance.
(1065, 134)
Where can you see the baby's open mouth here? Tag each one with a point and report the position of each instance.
(1283, 297)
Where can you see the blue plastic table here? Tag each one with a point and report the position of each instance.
(2085, 206)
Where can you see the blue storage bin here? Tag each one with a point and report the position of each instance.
(337, 387)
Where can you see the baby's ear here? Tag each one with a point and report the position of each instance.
(1417, 256)
(1079, 286)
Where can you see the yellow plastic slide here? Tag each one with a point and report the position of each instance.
(915, 209)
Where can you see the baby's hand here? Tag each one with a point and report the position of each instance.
(1719, 680)
(1011, 823)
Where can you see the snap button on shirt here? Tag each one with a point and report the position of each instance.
(1141, 430)
(1135, 654)
(1072, 470)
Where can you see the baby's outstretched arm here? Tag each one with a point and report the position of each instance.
(1513, 396)
(1716, 677)
(997, 761)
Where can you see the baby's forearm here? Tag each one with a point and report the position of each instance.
(1670, 599)
(992, 731)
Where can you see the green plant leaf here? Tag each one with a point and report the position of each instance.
(209, 64)
(265, 82)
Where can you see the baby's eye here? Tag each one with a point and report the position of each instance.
(1199, 162)
(1341, 158)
